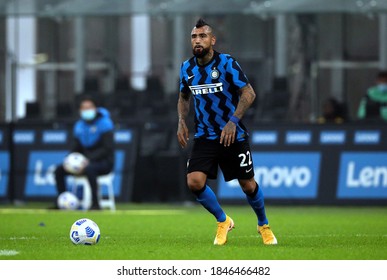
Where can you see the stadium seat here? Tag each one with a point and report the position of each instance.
(33, 110)
(103, 180)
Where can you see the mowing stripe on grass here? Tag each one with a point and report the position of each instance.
(151, 212)
(334, 235)
(8, 252)
(23, 211)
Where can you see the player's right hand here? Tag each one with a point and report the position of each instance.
(182, 133)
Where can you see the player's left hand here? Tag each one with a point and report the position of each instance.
(228, 134)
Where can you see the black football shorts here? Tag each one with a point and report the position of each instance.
(235, 161)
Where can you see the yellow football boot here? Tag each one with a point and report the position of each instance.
(223, 229)
(267, 235)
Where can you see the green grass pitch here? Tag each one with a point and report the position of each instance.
(145, 232)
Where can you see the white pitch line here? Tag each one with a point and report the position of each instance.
(144, 212)
(18, 238)
(317, 235)
(8, 252)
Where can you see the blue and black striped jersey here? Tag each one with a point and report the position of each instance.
(214, 87)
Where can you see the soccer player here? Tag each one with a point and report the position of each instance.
(93, 137)
(221, 94)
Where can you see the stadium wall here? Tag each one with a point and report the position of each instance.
(294, 164)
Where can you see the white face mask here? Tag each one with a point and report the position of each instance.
(89, 114)
(382, 87)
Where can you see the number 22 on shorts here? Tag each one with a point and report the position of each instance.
(245, 159)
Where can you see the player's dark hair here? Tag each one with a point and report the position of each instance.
(382, 75)
(88, 98)
(201, 23)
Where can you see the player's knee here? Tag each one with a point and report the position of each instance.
(195, 183)
(248, 186)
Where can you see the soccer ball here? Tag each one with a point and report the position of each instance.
(68, 201)
(85, 231)
(74, 163)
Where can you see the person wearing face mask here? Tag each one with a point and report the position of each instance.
(373, 105)
(93, 137)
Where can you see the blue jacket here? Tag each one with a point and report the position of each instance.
(94, 139)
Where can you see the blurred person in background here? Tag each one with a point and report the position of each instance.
(333, 112)
(93, 138)
(373, 105)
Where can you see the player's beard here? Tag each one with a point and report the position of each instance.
(200, 52)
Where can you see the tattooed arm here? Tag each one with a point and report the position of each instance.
(247, 96)
(182, 110)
